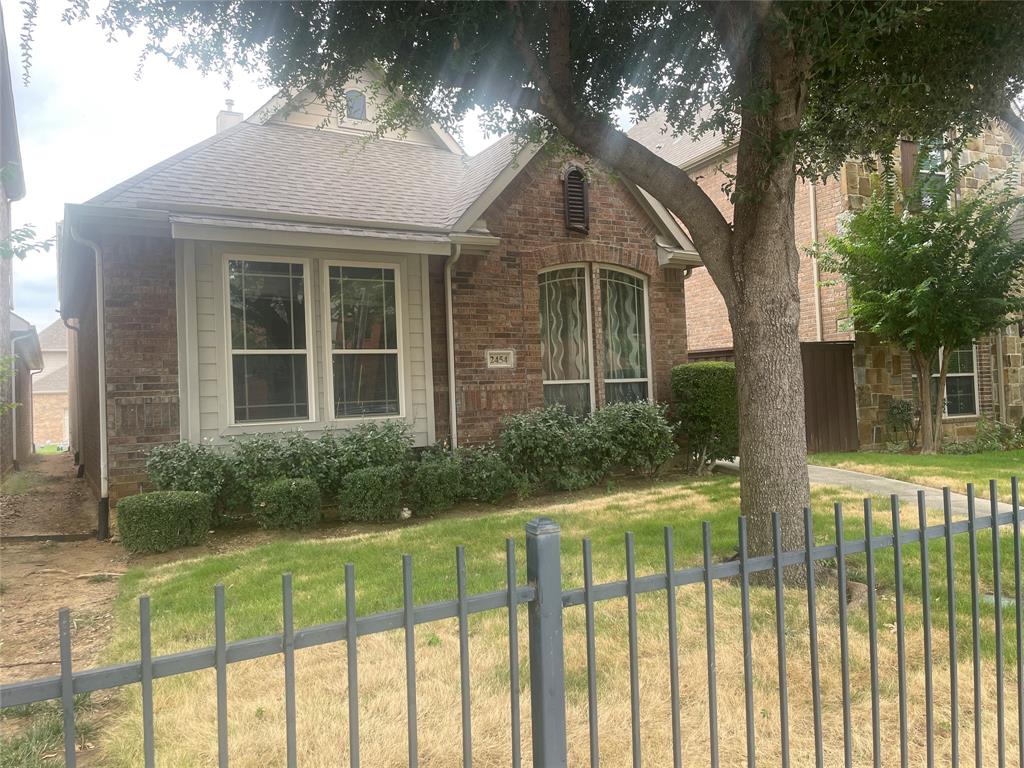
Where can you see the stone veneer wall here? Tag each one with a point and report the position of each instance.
(496, 297)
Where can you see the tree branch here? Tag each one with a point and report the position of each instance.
(560, 50)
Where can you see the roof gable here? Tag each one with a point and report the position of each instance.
(54, 337)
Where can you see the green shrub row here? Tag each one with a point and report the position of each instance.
(373, 474)
(163, 520)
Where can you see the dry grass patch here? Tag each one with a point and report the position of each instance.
(186, 709)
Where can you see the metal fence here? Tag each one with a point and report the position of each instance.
(546, 603)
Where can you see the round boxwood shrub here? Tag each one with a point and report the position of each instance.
(486, 476)
(287, 503)
(550, 447)
(706, 403)
(163, 520)
(373, 494)
(632, 436)
(436, 483)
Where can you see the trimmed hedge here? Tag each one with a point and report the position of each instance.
(436, 483)
(706, 404)
(163, 520)
(551, 448)
(373, 494)
(633, 436)
(288, 503)
(486, 476)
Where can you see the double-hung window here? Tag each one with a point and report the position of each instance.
(961, 395)
(624, 321)
(270, 373)
(364, 340)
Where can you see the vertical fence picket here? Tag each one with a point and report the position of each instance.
(352, 662)
(220, 662)
(869, 552)
(289, 670)
(780, 637)
(997, 591)
(673, 648)
(926, 624)
(954, 692)
(588, 605)
(513, 649)
(634, 663)
(1018, 589)
(901, 642)
(467, 725)
(709, 629)
(410, 659)
(146, 659)
(972, 539)
(67, 687)
(844, 638)
(748, 654)
(812, 631)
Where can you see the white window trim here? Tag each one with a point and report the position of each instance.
(230, 351)
(588, 286)
(328, 344)
(977, 393)
(647, 327)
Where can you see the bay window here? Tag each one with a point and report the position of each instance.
(269, 340)
(364, 333)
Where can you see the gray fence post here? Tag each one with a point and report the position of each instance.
(547, 654)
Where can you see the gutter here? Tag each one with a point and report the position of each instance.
(819, 327)
(103, 511)
(453, 428)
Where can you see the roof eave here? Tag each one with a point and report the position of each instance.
(499, 184)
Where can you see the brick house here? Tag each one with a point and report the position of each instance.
(986, 379)
(290, 274)
(51, 409)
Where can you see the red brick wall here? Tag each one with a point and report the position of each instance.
(706, 315)
(496, 296)
(141, 351)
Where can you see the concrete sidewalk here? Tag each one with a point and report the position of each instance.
(874, 485)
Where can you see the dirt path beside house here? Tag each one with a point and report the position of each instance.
(45, 497)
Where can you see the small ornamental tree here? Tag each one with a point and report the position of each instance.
(927, 272)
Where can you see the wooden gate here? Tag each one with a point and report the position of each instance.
(830, 406)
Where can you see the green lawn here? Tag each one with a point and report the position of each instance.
(936, 471)
(46, 450)
(181, 596)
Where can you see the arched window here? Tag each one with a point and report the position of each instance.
(624, 321)
(577, 203)
(355, 105)
(565, 338)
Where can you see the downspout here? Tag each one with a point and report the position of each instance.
(14, 415)
(77, 403)
(103, 512)
(450, 327)
(812, 199)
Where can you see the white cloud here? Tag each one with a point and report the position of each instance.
(87, 122)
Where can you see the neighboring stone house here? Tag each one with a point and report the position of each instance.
(986, 379)
(51, 415)
(12, 187)
(294, 273)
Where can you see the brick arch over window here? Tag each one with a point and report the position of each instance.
(577, 252)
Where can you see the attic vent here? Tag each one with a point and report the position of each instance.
(577, 203)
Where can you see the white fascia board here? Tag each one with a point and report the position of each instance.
(479, 206)
(295, 239)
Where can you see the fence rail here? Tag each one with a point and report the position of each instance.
(546, 603)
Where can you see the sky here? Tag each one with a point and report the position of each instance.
(87, 122)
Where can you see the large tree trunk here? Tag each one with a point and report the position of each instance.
(924, 397)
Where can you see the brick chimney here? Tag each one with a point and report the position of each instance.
(228, 118)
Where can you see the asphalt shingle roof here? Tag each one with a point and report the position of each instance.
(51, 381)
(291, 170)
(54, 336)
(680, 150)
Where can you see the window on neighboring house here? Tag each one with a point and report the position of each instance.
(961, 396)
(577, 203)
(565, 338)
(364, 330)
(355, 105)
(931, 174)
(624, 320)
(269, 352)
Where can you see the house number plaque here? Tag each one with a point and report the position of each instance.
(501, 358)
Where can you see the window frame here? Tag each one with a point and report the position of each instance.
(646, 283)
(346, 115)
(588, 286)
(230, 352)
(945, 398)
(328, 346)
